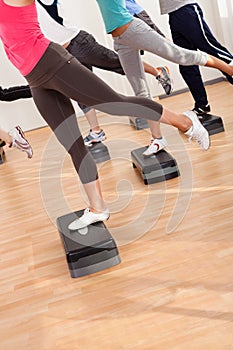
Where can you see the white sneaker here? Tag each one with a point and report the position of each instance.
(19, 141)
(155, 146)
(197, 131)
(88, 218)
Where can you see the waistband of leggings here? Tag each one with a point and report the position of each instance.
(52, 60)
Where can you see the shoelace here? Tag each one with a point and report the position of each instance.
(86, 211)
(92, 135)
(196, 138)
(163, 81)
(88, 138)
(151, 141)
(24, 145)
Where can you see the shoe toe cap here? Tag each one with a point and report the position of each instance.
(76, 224)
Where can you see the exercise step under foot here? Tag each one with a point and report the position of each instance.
(88, 250)
(156, 168)
(138, 123)
(99, 152)
(212, 123)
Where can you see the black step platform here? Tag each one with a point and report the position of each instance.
(2, 153)
(138, 123)
(88, 250)
(99, 152)
(212, 123)
(156, 168)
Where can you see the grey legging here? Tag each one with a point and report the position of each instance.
(67, 78)
(139, 36)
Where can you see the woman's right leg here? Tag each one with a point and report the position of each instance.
(140, 36)
(78, 83)
(215, 62)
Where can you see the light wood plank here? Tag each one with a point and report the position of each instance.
(171, 291)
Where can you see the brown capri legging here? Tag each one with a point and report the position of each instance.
(59, 77)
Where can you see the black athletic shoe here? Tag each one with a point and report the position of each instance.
(202, 110)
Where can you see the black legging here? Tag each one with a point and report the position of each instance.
(91, 54)
(75, 81)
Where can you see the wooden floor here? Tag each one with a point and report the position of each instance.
(174, 287)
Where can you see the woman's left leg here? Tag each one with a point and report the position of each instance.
(58, 112)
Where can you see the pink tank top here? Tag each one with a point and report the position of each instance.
(22, 38)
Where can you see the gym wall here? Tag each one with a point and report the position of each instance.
(23, 112)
